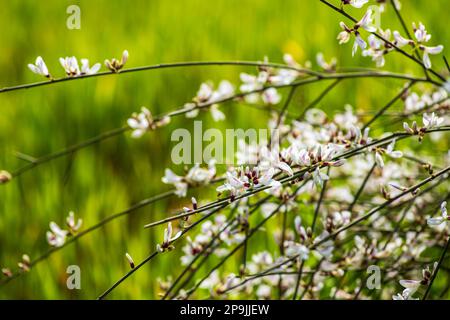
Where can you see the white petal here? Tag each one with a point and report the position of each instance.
(34, 69)
(435, 50)
(435, 221)
(95, 68)
(426, 60)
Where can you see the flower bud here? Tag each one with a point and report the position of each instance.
(5, 177)
(7, 272)
(130, 260)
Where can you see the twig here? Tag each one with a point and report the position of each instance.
(433, 277)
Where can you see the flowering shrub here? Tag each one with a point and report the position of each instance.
(342, 199)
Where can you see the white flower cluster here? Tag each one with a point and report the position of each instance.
(414, 102)
(72, 68)
(196, 176)
(382, 43)
(411, 286)
(57, 236)
(311, 145)
(143, 121)
(206, 95)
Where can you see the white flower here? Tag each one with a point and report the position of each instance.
(393, 154)
(271, 159)
(39, 67)
(73, 226)
(56, 237)
(198, 175)
(70, 65)
(327, 66)
(413, 102)
(301, 158)
(140, 123)
(251, 83)
(366, 22)
(422, 37)
(430, 50)
(233, 184)
(400, 41)
(192, 110)
(204, 93)
(319, 178)
(411, 130)
(168, 239)
(359, 42)
(355, 3)
(315, 116)
(296, 249)
(411, 285)
(267, 180)
(225, 90)
(375, 51)
(431, 121)
(115, 65)
(379, 159)
(207, 95)
(405, 295)
(271, 96)
(171, 178)
(85, 69)
(284, 77)
(439, 220)
(264, 292)
(344, 36)
(301, 231)
(216, 113)
(195, 176)
(325, 249)
(421, 33)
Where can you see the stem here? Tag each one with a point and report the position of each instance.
(361, 187)
(159, 66)
(299, 277)
(154, 254)
(322, 194)
(441, 259)
(388, 105)
(69, 150)
(118, 282)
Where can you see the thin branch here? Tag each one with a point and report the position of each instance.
(160, 66)
(154, 254)
(433, 277)
(388, 105)
(361, 187)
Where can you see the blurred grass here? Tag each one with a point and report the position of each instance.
(111, 176)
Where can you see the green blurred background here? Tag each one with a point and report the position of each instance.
(109, 177)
